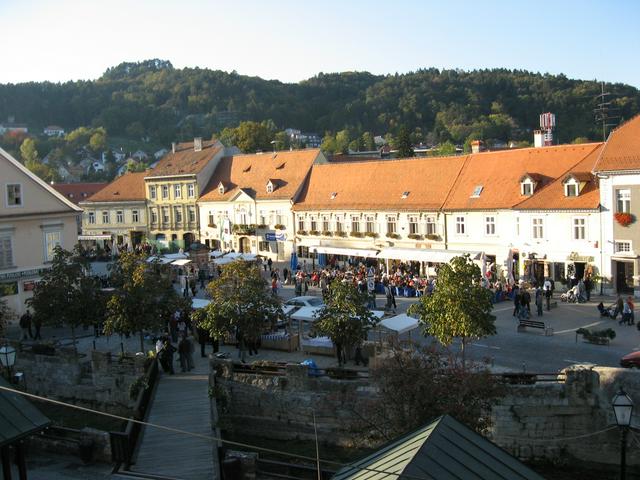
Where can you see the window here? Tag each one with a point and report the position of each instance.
(152, 192)
(154, 216)
(325, 224)
(51, 241)
(191, 190)
(314, 224)
(221, 188)
(105, 217)
(269, 187)
(14, 195)
(460, 226)
(579, 228)
(623, 198)
(279, 219)
(413, 225)
(517, 226)
(6, 252)
(431, 226)
(490, 225)
(477, 191)
(391, 224)
(192, 214)
(405, 195)
(178, 214)
(370, 224)
(355, 224)
(301, 223)
(212, 220)
(339, 225)
(165, 215)
(177, 191)
(263, 246)
(119, 216)
(165, 192)
(571, 189)
(264, 220)
(91, 218)
(135, 217)
(537, 227)
(243, 217)
(623, 246)
(526, 188)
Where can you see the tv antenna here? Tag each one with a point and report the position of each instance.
(604, 112)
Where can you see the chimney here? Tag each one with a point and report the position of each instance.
(476, 146)
(197, 144)
(538, 138)
(173, 147)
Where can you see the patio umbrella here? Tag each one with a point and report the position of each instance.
(322, 259)
(294, 261)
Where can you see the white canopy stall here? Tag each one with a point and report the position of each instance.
(400, 323)
(427, 255)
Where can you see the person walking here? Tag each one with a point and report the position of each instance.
(619, 307)
(203, 338)
(588, 285)
(269, 263)
(517, 299)
(242, 347)
(25, 325)
(547, 292)
(539, 301)
(37, 323)
(631, 308)
(285, 275)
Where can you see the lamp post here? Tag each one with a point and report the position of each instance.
(8, 358)
(622, 408)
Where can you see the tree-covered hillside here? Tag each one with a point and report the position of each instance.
(154, 100)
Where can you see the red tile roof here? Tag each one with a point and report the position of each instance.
(250, 173)
(126, 188)
(78, 192)
(553, 197)
(499, 173)
(622, 150)
(380, 184)
(186, 160)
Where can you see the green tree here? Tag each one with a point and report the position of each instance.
(368, 142)
(329, 143)
(143, 299)
(579, 140)
(345, 319)
(45, 172)
(446, 148)
(403, 143)
(98, 140)
(28, 151)
(343, 140)
(460, 307)
(67, 294)
(250, 137)
(282, 141)
(239, 299)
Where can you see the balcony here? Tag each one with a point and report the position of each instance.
(393, 235)
(243, 229)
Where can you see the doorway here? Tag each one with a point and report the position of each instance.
(624, 277)
(245, 245)
(188, 239)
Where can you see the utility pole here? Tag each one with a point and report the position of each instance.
(604, 112)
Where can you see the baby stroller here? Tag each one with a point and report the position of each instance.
(609, 312)
(572, 296)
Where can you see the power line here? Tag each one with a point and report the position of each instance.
(210, 437)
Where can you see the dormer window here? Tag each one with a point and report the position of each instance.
(477, 191)
(334, 195)
(527, 187)
(221, 188)
(405, 194)
(573, 184)
(270, 187)
(571, 190)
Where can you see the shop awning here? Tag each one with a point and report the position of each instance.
(349, 252)
(162, 260)
(216, 253)
(400, 323)
(307, 314)
(94, 237)
(424, 254)
(176, 256)
(180, 262)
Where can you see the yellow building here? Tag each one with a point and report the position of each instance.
(172, 189)
(34, 219)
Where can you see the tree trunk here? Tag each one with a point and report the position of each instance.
(141, 341)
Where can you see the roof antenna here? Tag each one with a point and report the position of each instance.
(603, 111)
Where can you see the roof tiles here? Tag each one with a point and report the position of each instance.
(186, 160)
(622, 150)
(128, 187)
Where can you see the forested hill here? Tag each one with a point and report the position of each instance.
(153, 99)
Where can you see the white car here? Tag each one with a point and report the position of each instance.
(305, 301)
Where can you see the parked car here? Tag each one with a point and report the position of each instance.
(631, 360)
(305, 301)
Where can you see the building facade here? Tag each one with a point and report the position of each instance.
(34, 219)
(118, 211)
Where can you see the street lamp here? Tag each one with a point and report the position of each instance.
(8, 358)
(622, 408)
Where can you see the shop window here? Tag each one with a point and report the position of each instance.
(8, 288)
(263, 246)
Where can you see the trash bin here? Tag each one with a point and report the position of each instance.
(231, 469)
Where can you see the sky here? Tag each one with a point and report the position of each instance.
(60, 40)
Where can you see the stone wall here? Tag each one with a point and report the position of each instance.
(533, 422)
(98, 380)
(542, 421)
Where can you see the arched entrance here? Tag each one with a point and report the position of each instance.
(188, 239)
(245, 245)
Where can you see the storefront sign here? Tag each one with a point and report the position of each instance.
(272, 237)
(575, 257)
(22, 273)
(28, 286)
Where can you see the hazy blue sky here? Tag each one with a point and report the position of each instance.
(292, 40)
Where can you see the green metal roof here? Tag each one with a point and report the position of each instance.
(18, 417)
(443, 450)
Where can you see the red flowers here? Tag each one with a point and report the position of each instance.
(624, 219)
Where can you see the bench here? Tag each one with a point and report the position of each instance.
(523, 324)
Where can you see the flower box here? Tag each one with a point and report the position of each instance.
(279, 226)
(327, 233)
(624, 219)
(212, 225)
(302, 232)
(433, 236)
(356, 234)
(415, 236)
(314, 232)
(371, 234)
(340, 234)
(393, 235)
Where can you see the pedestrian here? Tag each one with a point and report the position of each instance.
(269, 263)
(193, 286)
(252, 342)
(341, 354)
(631, 308)
(25, 325)
(526, 300)
(539, 301)
(183, 353)
(203, 338)
(547, 292)
(242, 347)
(285, 275)
(37, 323)
(182, 327)
(274, 286)
(517, 300)
(626, 314)
(588, 285)
(166, 356)
(173, 325)
(619, 307)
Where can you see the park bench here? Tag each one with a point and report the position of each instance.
(524, 323)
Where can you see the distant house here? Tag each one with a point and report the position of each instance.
(53, 131)
(160, 153)
(140, 155)
(118, 155)
(11, 127)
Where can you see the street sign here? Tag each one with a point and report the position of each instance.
(272, 237)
